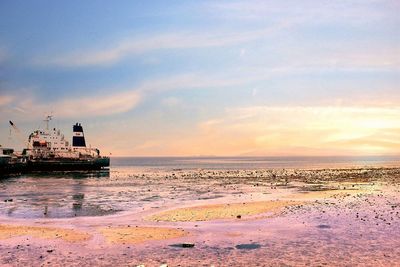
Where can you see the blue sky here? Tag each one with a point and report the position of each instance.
(206, 77)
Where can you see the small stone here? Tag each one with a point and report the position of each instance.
(324, 226)
(183, 245)
(239, 216)
(248, 246)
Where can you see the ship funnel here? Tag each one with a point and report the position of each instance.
(78, 140)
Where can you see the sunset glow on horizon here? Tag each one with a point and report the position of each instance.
(201, 78)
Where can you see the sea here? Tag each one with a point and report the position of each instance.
(248, 163)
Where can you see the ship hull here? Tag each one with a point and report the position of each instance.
(55, 165)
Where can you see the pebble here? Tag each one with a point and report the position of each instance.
(183, 245)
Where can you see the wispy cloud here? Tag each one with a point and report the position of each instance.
(137, 46)
(89, 106)
(99, 106)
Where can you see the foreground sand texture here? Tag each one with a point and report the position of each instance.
(133, 235)
(202, 218)
(10, 231)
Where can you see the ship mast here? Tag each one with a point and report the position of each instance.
(47, 120)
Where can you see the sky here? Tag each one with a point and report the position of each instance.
(202, 78)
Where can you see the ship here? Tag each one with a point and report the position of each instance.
(48, 150)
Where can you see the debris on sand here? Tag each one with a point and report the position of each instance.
(248, 246)
(183, 245)
(324, 226)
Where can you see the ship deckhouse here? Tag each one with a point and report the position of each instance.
(52, 140)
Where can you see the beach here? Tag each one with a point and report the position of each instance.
(197, 217)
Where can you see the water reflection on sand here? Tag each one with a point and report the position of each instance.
(52, 195)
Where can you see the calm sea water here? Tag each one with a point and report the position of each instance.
(227, 163)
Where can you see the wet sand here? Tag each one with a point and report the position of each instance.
(220, 218)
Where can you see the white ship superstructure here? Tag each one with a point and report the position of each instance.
(51, 143)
